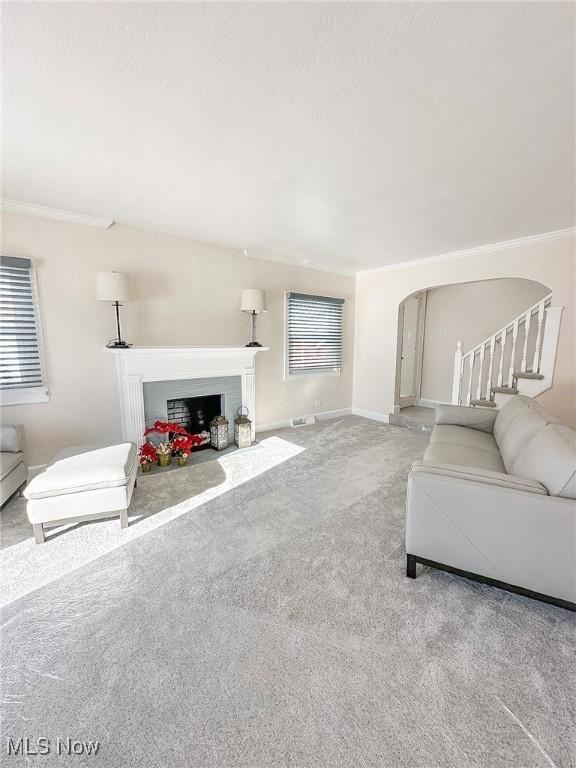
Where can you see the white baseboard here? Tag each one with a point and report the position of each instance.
(374, 415)
(322, 416)
(431, 403)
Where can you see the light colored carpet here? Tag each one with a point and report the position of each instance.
(272, 625)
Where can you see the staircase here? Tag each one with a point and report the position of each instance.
(518, 358)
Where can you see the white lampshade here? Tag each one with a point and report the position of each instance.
(253, 300)
(112, 286)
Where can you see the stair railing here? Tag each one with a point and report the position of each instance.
(475, 371)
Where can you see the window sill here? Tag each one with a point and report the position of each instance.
(23, 396)
(312, 374)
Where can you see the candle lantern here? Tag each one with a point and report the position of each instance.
(219, 433)
(242, 428)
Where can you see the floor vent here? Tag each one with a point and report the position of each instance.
(302, 421)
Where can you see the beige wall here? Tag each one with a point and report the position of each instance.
(378, 295)
(467, 312)
(187, 293)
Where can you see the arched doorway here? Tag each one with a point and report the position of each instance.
(432, 321)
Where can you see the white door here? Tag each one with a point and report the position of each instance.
(411, 325)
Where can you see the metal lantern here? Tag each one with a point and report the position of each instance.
(219, 433)
(242, 428)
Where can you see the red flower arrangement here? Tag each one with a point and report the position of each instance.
(178, 442)
(166, 428)
(147, 454)
(183, 445)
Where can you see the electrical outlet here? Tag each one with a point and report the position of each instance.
(318, 404)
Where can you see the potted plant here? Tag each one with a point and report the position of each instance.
(166, 428)
(164, 450)
(164, 453)
(147, 456)
(183, 445)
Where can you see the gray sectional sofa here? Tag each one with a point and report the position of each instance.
(13, 469)
(494, 499)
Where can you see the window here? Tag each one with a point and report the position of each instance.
(313, 335)
(22, 377)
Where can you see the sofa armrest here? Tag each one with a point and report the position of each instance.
(493, 525)
(11, 438)
(484, 476)
(465, 416)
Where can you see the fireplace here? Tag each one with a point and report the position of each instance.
(193, 402)
(150, 376)
(195, 413)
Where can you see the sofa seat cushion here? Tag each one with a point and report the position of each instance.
(475, 475)
(464, 456)
(84, 468)
(550, 458)
(9, 462)
(472, 438)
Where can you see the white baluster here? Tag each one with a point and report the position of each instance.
(513, 355)
(538, 347)
(503, 338)
(480, 372)
(490, 366)
(527, 319)
(457, 377)
(471, 365)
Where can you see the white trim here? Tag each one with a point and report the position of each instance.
(15, 206)
(373, 415)
(23, 396)
(314, 373)
(558, 234)
(322, 416)
(194, 352)
(407, 401)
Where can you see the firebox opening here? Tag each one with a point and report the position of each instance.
(195, 413)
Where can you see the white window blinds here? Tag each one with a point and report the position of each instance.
(314, 334)
(20, 348)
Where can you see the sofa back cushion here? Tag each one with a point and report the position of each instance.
(550, 458)
(516, 424)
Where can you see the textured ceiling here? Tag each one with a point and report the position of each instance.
(344, 136)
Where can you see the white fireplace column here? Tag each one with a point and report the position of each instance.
(137, 365)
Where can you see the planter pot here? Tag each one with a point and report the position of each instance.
(164, 460)
(146, 467)
(182, 461)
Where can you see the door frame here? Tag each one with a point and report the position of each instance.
(405, 402)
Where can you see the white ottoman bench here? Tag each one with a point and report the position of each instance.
(86, 482)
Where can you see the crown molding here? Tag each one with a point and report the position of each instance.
(15, 206)
(558, 234)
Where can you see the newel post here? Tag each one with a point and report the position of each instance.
(457, 374)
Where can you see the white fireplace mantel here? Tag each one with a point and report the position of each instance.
(137, 365)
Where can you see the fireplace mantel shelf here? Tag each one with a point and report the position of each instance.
(136, 366)
(197, 351)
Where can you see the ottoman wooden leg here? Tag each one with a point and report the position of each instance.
(123, 518)
(39, 536)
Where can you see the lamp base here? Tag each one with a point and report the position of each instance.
(118, 345)
(253, 344)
